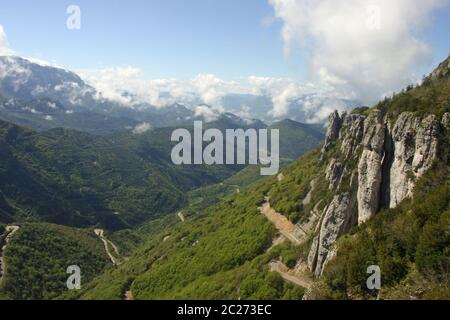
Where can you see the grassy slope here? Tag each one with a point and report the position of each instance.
(228, 231)
(218, 253)
(93, 149)
(296, 138)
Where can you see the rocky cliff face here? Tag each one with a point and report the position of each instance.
(377, 165)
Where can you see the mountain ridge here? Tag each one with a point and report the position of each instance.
(346, 225)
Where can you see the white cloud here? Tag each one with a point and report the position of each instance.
(48, 118)
(73, 91)
(211, 89)
(245, 113)
(285, 92)
(9, 67)
(142, 128)
(349, 51)
(204, 93)
(208, 114)
(5, 50)
(122, 85)
(32, 110)
(282, 101)
(128, 87)
(318, 107)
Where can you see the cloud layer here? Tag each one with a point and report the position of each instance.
(128, 87)
(5, 50)
(142, 128)
(365, 49)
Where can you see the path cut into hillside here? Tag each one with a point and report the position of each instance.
(9, 233)
(296, 276)
(181, 216)
(281, 223)
(101, 234)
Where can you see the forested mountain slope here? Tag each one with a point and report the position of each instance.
(116, 182)
(74, 178)
(38, 255)
(376, 194)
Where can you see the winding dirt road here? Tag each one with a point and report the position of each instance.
(101, 234)
(181, 216)
(281, 223)
(293, 276)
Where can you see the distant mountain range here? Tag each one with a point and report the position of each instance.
(43, 97)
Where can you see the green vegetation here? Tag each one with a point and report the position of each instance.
(296, 138)
(287, 196)
(220, 253)
(39, 254)
(119, 181)
(72, 178)
(224, 247)
(430, 97)
(411, 241)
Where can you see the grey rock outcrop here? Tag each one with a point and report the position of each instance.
(334, 127)
(446, 121)
(334, 173)
(339, 218)
(415, 144)
(441, 71)
(351, 133)
(370, 167)
(380, 163)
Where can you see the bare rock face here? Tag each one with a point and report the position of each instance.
(370, 167)
(380, 164)
(351, 133)
(334, 173)
(341, 213)
(313, 252)
(334, 127)
(446, 121)
(441, 71)
(415, 149)
(338, 219)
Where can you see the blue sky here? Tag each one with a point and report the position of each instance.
(167, 38)
(283, 49)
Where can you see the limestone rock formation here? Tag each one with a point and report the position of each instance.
(334, 173)
(441, 71)
(338, 219)
(370, 167)
(415, 148)
(381, 160)
(351, 133)
(446, 121)
(334, 127)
